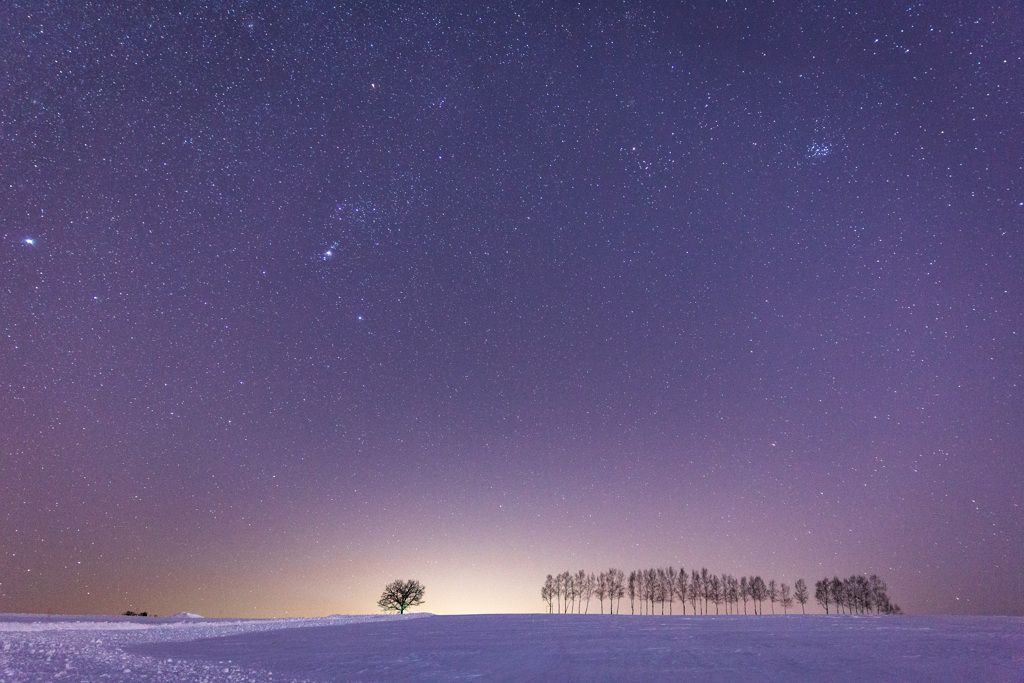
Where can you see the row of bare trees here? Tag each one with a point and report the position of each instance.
(572, 593)
(855, 595)
(649, 589)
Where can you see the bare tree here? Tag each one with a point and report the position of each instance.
(568, 591)
(758, 592)
(670, 587)
(838, 594)
(659, 587)
(648, 592)
(547, 592)
(632, 592)
(772, 593)
(864, 596)
(616, 587)
(800, 593)
(581, 587)
(715, 591)
(822, 593)
(785, 598)
(601, 589)
(705, 585)
(641, 589)
(681, 587)
(734, 593)
(651, 588)
(399, 596)
(726, 600)
(744, 592)
(695, 590)
(588, 582)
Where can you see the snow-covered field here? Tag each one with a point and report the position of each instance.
(513, 648)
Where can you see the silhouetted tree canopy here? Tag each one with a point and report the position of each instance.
(399, 595)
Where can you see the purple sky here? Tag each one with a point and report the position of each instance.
(297, 299)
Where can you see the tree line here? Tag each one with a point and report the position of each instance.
(649, 589)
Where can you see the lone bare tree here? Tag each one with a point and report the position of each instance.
(399, 595)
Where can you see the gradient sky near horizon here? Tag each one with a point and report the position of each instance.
(298, 298)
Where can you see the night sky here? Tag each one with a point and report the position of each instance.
(300, 298)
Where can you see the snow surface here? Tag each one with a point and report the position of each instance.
(513, 648)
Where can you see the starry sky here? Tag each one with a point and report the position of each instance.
(297, 298)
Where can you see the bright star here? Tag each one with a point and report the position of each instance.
(29, 241)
